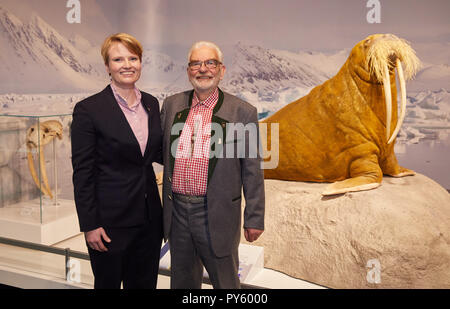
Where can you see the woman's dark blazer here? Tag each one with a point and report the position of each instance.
(114, 184)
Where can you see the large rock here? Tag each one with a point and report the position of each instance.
(334, 241)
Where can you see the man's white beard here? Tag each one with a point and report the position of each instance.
(205, 86)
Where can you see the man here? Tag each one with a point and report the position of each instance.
(202, 181)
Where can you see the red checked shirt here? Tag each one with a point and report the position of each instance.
(190, 172)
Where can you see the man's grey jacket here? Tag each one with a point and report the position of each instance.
(234, 123)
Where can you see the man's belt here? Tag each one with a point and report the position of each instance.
(193, 199)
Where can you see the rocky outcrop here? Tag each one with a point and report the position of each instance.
(399, 232)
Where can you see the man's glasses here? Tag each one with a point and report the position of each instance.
(210, 64)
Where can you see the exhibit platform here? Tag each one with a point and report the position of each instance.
(31, 268)
(40, 221)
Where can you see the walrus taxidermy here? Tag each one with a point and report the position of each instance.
(344, 130)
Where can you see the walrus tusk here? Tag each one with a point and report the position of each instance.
(44, 172)
(32, 169)
(401, 79)
(44, 188)
(388, 99)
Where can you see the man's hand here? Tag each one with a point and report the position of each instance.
(94, 239)
(252, 234)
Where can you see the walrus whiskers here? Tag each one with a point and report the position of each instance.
(384, 48)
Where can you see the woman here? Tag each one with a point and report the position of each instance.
(116, 136)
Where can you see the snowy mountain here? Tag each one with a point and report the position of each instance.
(34, 56)
(259, 70)
(266, 78)
(161, 74)
(270, 79)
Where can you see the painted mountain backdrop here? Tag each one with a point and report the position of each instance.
(43, 72)
(36, 57)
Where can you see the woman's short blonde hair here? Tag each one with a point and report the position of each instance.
(130, 42)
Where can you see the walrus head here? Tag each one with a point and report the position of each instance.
(374, 58)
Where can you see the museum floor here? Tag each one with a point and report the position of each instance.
(27, 268)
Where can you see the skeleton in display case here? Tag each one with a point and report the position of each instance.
(38, 136)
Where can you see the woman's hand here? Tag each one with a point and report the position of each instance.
(94, 239)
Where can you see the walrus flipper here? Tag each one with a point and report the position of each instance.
(391, 167)
(403, 173)
(365, 175)
(360, 183)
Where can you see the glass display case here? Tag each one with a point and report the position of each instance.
(36, 191)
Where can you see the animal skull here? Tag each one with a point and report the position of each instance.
(39, 135)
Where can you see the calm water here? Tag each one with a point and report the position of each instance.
(428, 157)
